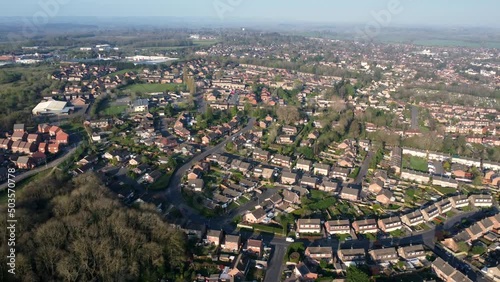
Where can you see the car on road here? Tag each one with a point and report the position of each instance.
(290, 239)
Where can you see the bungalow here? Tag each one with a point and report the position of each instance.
(339, 226)
(390, 224)
(231, 194)
(232, 243)
(321, 169)
(240, 165)
(481, 200)
(459, 201)
(256, 216)
(276, 199)
(25, 162)
(412, 252)
(350, 194)
(365, 226)
(304, 165)
(352, 256)
(214, 237)
(281, 160)
(308, 181)
(413, 218)
(384, 255)
(288, 178)
(320, 253)
(196, 184)
(430, 212)
(308, 226)
(302, 271)
(153, 176)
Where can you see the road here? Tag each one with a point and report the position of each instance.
(363, 169)
(39, 169)
(275, 265)
(414, 118)
(174, 190)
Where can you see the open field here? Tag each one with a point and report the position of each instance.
(415, 163)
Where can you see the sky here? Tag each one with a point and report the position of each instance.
(483, 13)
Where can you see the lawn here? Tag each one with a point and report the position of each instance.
(415, 163)
(268, 229)
(115, 110)
(161, 183)
(397, 233)
(154, 88)
(445, 190)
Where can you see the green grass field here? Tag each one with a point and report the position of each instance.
(154, 88)
(415, 163)
(115, 110)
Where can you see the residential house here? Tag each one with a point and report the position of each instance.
(444, 182)
(340, 172)
(444, 206)
(376, 186)
(291, 197)
(39, 158)
(140, 105)
(412, 252)
(385, 197)
(261, 155)
(365, 226)
(288, 178)
(5, 144)
(304, 165)
(328, 186)
(390, 224)
(308, 181)
(53, 148)
(196, 184)
(430, 212)
(25, 162)
(349, 193)
(301, 270)
(232, 243)
(289, 130)
(320, 253)
(352, 256)
(447, 273)
(281, 160)
(418, 177)
(384, 255)
(459, 201)
(339, 226)
(396, 159)
(321, 169)
(481, 200)
(19, 136)
(214, 237)
(413, 218)
(255, 247)
(308, 226)
(19, 127)
(256, 216)
(152, 177)
(33, 138)
(285, 139)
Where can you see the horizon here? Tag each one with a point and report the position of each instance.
(395, 13)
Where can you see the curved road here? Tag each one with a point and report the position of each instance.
(174, 190)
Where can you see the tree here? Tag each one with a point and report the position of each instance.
(288, 114)
(355, 274)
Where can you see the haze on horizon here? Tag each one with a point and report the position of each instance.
(405, 12)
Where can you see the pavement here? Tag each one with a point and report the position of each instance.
(39, 169)
(364, 169)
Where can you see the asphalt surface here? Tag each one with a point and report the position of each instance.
(363, 169)
(39, 169)
(174, 189)
(414, 117)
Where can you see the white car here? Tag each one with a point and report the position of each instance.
(290, 239)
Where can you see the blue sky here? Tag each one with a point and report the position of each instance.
(409, 12)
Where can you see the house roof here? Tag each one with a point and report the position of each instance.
(259, 213)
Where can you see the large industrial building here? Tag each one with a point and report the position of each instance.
(53, 107)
